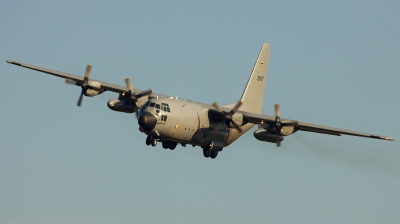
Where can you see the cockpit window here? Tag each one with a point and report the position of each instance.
(161, 107)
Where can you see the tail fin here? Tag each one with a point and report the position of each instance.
(253, 95)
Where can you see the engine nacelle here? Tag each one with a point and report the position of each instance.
(285, 130)
(120, 106)
(266, 136)
(288, 130)
(95, 88)
(140, 102)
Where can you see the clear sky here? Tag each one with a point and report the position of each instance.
(334, 63)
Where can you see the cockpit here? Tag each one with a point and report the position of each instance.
(163, 106)
(156, 109)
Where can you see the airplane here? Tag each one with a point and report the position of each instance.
(173, 121)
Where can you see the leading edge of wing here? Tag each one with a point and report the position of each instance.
(106, 86)
(303, 126)
(48, 71)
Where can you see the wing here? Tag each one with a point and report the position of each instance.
(78, 79)
(303, 126)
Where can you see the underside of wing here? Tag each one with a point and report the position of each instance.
(303, 126)
(336, 131)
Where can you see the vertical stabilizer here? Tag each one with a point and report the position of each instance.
(253, 95)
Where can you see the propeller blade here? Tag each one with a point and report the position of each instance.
(278, 123)
(217, 107)
(144, 93)
(70, 81)
(129, 85)
(278, 144)
(136, 112)
(88, 70)
(237, 106)
(80, 100)
(239, 129)
(228, 116)
(277, 110)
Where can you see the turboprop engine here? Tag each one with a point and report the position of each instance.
(231, 118)
(274, 131)
(269, 133)
(284, 130)
(267, 136)
(120, 106)
(89, 87)
(124, 105)
(95, 88)
(129, 102)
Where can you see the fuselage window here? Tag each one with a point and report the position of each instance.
(152, 104)
(157, 106)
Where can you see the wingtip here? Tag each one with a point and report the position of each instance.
(13, 62)
(389, 139)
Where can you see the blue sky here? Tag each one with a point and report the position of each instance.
(331, 63)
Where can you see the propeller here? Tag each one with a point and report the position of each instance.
(228, 116)
(133, 98)
(279, 124)
(84, 85)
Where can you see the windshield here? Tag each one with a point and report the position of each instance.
(163, 106)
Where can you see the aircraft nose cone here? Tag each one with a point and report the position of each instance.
(147, 121)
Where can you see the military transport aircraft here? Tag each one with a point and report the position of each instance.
(174, 121)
